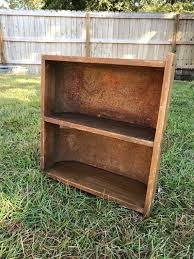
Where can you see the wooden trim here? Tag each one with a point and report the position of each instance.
(131, 15)
(42, 132)
(161, 124)
(82, 14)
(184, 43)
(185, 67)
(175, 32)
(44, 40)
(113, 61)
(21, 62)
(97, 41)
(101, 15)
(88, 40)
(187, 16)
(43, 13)
(133, 42)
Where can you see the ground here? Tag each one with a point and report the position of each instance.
(41, 218)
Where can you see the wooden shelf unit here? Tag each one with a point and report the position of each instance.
(102, 125)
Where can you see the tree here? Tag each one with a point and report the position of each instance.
(122, 5)
(26, 4)
(178, 6)
(93, 5)
(169, 6)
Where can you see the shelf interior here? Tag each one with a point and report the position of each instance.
(106, 127)
(129, 192)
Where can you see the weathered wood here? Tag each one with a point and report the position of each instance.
(102, 125)
(89, 41)
(29, 34)
(2, 55)
(88, 50)
(81, 14)
(176, 28)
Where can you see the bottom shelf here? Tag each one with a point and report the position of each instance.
(121, 189)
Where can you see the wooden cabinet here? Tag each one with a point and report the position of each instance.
(102, 125)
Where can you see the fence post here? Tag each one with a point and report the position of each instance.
(2, 56)
(175, 32)
(87, 24)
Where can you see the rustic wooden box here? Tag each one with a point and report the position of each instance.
(102, 125)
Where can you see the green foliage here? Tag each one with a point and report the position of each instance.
(108, 5)
(161, 6)
(123, 5)
(26, 4)
(65, 4)
(111, 5)
(92, 5)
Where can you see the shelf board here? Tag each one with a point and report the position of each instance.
(106, 127)
(126, 191)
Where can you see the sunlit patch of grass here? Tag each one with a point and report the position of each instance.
(41, 218)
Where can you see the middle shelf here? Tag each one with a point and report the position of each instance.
(106, 127)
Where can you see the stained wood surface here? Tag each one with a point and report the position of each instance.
(114, 155)
(162, 119)
(96, 143)
(125, 93)
(106, 127)
(126, 191)
(110, 61)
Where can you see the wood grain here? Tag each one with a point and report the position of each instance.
(2, 54)
(161, 124)
(114, 155)
(104, 184)
(106, 127)
(112, 61)
(103, 122)
(109, 91)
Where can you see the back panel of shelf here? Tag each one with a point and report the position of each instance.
(124, 93)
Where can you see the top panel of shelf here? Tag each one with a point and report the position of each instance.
(110, 61)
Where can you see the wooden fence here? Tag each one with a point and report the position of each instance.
(25, 35)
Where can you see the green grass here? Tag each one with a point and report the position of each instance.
(41, 218)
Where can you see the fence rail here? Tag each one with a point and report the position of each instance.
(25, 35)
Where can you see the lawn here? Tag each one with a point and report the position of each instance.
(41, 218)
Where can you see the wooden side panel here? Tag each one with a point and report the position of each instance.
(48, 146)
(161, 124)
(50, 88)
(47, 101)
(124, 158)
(130, 94)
